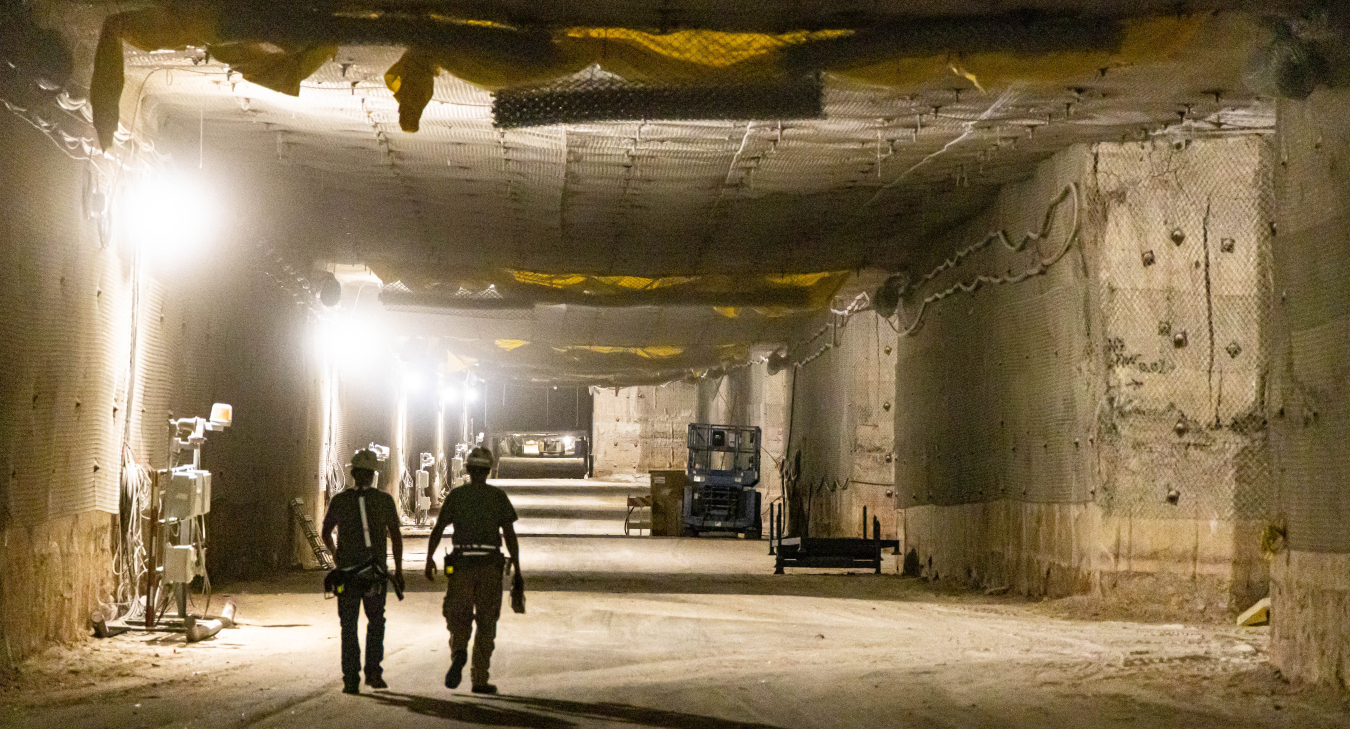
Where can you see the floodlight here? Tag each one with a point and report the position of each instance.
(169, 215)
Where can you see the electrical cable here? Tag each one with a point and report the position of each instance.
(1070, 191)
(1043, 264)
(129, 559)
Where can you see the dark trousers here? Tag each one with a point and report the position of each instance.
(474, 596)
(349, 609)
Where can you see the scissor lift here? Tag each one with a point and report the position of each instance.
(719, 492)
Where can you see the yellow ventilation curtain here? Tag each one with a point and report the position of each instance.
(1146, 40)
(577, 280)
(653, 352)
(819, 286)
(279, 67)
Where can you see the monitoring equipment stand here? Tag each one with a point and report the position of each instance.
(180, 500)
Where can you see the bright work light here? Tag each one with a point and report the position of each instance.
(171, 216)
(413, 381)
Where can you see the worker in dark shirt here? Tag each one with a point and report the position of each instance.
(363, 517)
(481, 515)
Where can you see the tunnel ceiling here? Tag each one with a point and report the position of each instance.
(553, 214)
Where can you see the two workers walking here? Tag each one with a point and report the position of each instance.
(481, 516)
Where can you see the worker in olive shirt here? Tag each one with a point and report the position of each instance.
(363, 517)
(481, 516)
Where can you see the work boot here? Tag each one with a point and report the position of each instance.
(376, 682)
(456, 672)
(351, 687)
(484, 688)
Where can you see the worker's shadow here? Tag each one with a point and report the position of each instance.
(516, 711)
(469, 712)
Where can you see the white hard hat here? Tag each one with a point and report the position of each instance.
(366, 458)
(480, 457)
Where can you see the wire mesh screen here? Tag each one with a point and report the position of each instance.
(1185, 269)
(683, 75)
(1311, 423)
(1133, 373)
(63, 339)
(990, 384)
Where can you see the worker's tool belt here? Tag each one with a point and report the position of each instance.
(474, 552)
(356, 580)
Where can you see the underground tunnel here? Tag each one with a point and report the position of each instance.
(950, 363)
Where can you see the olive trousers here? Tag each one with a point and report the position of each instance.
(474, 596)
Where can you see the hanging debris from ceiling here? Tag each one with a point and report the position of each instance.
(538, 76)
(280, 67)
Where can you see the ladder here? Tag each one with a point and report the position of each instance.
(306, 522)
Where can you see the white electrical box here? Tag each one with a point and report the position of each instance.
(180, 563)
(423, 483)
(187, 494)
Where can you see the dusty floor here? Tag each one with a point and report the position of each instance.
(681, 633)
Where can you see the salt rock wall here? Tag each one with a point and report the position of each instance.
(843, 427)
(63, 344)
(639, 429)
(1310, 402)
(1094, 411)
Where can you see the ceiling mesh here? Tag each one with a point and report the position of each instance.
(896, 153)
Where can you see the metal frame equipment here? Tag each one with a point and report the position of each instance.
(719, 492)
